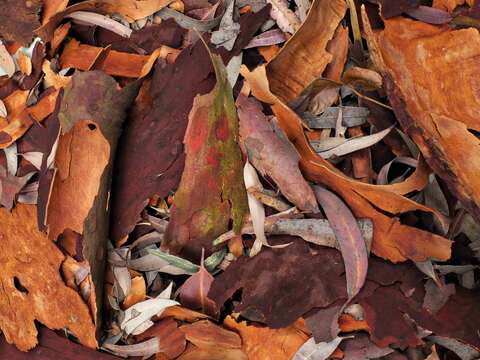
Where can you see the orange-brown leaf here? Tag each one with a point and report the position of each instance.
(205, 334)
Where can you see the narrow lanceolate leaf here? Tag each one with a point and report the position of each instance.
(355, 144)
(211, 190)
(349, 237)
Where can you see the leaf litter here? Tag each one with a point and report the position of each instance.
(243, 179)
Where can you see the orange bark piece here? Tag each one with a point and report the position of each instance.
(263, 343)
(304, 57)
(82, 155)
(205, 334)
(31, 287)
(391, 240)
(347, 323)
(138, 292)
(116, 63)
(432, 81)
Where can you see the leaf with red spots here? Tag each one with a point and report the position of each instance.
(211, 191)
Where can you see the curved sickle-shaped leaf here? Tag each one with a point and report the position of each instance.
(349, 237)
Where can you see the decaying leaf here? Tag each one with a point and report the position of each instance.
(213, 159)
(272, 155)
(269, 344)
(440, 123)
(32, 288)
(304, 57)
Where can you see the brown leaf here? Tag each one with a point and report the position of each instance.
(272, 155)
(349, 237)
(183, 314)
(442, 124)
(392, 240)
(18, 20)
(304, 57)
(363, 79)
(213, 160)
(51, 7)
(263, 343)
(32, 288)
(206, 335)
(450, 5)
(195, 353)
(137, 292)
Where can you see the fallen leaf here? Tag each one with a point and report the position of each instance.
(349, 237)
(263, 343)
(183, 314)
(195, 353)
(353, 144)
(304, 57)
(272, 155)
(213, 159)
(32, 286)
(103, 21)
(53, 79)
